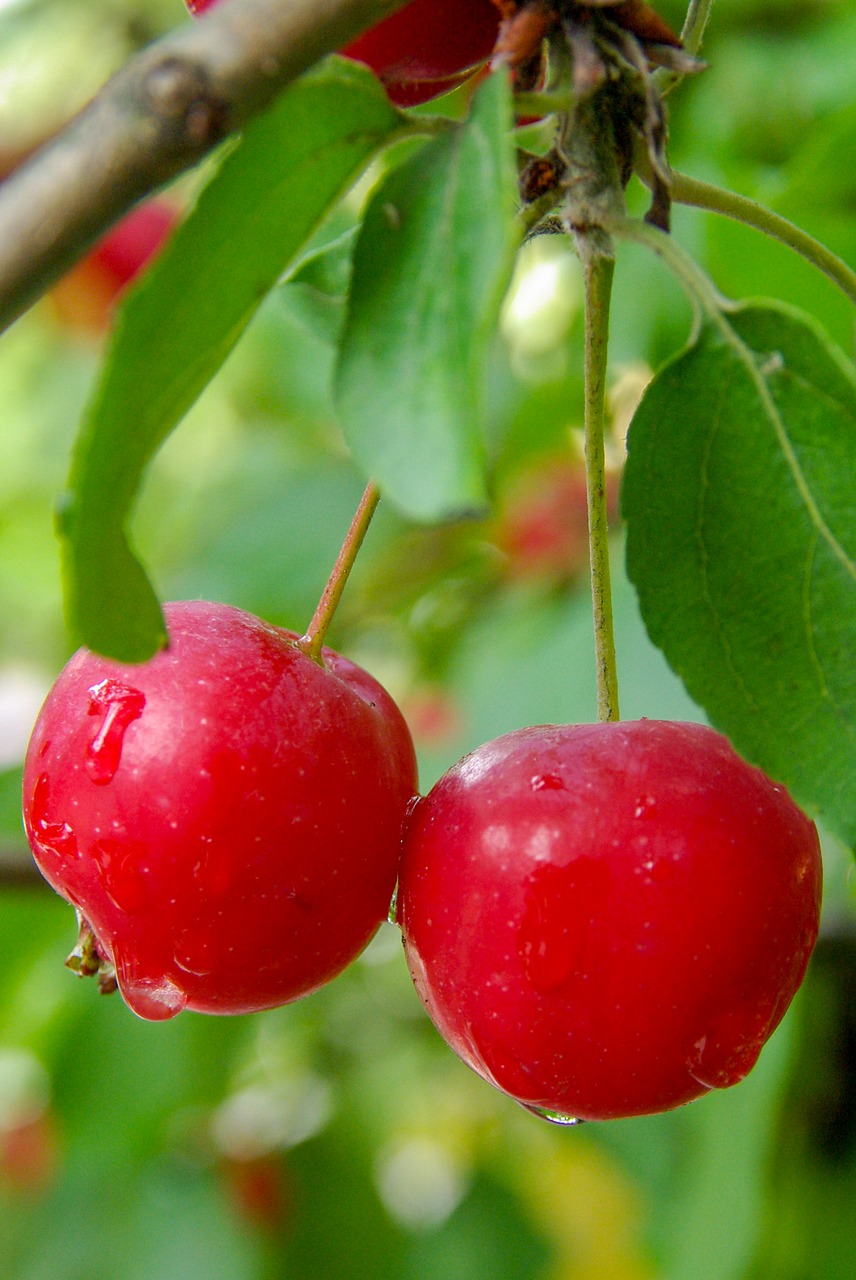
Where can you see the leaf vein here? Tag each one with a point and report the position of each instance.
(768, 403)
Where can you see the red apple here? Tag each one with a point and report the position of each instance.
(608, 920)
(226, 817)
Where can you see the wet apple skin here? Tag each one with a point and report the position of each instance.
(429, 47)
(246, 846)
(608, 920)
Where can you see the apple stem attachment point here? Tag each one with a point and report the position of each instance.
(88, 960)
(313, 641)
(598, 266)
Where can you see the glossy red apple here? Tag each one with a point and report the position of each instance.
(424, 49)
(608, 920)
(429, 47)
(226, 817)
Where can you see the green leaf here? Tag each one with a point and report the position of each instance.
(713, 1215)
(11, 782)
(317, 287)
(740, 500)
(431, 266)
(178, 326)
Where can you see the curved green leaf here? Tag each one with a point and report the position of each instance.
(178, 326)
(431, 265)
(740, 500)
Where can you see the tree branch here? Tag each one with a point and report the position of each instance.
(17, 868)
(161, 114)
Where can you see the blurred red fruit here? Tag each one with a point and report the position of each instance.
(259, 1190)
(84, 299)
(29, 1154)
(542, 527)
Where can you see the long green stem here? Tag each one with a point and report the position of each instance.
(704, 195)
(313, 641)
(547, 103)
(698, 287)
(598, 271)
(695, 22)
(692, 34)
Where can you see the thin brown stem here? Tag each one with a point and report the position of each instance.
(313, 641)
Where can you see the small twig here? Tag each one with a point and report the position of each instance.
(313, 641)
(161, 114)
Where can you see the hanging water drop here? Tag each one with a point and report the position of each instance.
(154, 999)
(552, 1117)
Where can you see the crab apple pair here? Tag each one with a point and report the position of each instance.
(426, 48)
(601, 920)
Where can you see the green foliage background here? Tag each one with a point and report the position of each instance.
(374, 1152)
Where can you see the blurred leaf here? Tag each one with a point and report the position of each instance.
(317, 288)
(816, 176)
(182, 1229)
(808, 1230)
(177, 327)
(741, 542)
(10, 805)
(714, 1211)
(528, 658)
(487, 1235)
(328, 269)
(272, 554)
(355, 1240)
(431, 265)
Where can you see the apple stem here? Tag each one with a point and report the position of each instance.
(598, 267)
(313, 641)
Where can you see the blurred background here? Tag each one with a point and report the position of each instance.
(339, 1138)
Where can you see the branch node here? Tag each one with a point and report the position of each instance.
(179, 94)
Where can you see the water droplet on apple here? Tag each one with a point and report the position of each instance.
(552, 1117)
(119, 705)
(154, 999)
(123, 876)
(728, 1051)
(196, 952)
(52, 839)
(546, 782)
(645, 807)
